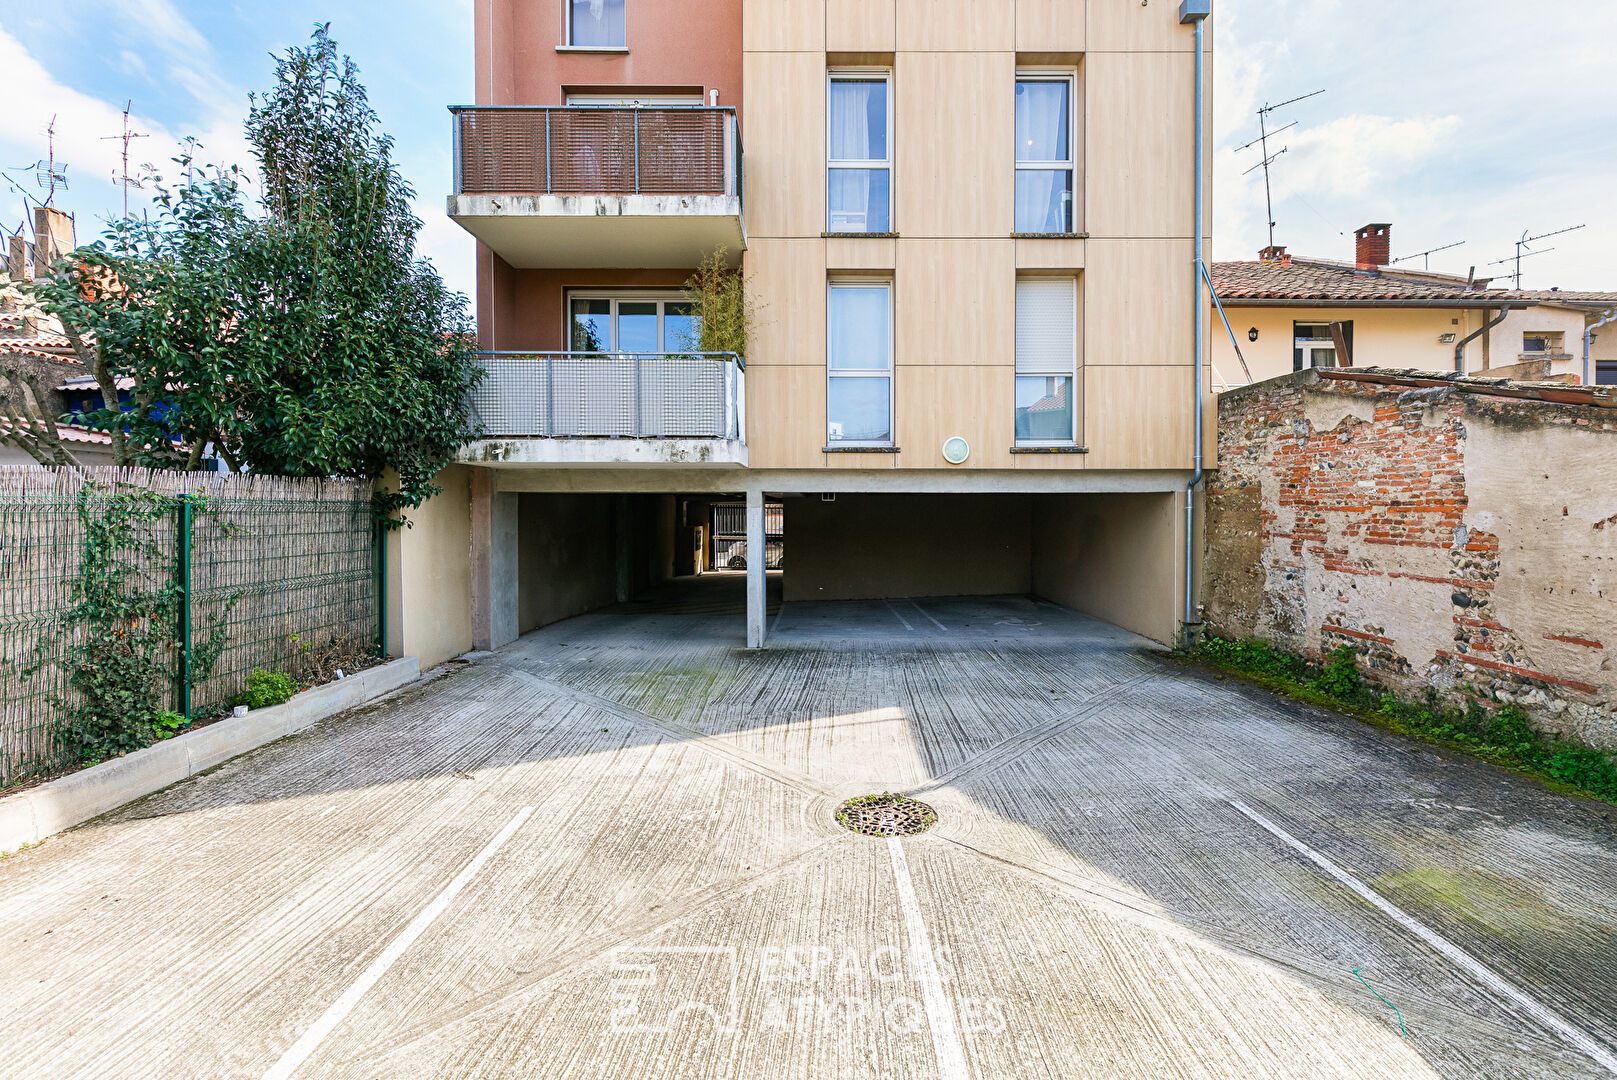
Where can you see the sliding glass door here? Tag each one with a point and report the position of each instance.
(631, 324)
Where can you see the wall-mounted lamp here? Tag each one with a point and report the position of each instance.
(1252, 334)
(1447, 339)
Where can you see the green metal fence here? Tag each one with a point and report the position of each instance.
(243, 572)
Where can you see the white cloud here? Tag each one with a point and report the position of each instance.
(1455, 122)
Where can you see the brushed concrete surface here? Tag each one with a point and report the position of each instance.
(1097, 900)
(32, 815)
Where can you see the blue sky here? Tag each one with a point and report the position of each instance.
(1454, 119)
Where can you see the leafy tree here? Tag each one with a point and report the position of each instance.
(304, 340)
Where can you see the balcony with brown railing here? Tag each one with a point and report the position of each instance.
(588, 186)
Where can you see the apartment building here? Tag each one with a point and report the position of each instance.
(967, 227)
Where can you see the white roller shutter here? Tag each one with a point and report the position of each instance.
(1046, 325)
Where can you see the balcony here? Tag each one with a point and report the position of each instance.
(562, 408)
(599, 187)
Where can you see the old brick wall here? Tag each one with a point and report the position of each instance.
(1451, 538)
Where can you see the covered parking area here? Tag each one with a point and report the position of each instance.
(548, 544)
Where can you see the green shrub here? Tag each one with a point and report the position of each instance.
(168, 724)
(1340, 679)
(1252, 657)
(266, 688)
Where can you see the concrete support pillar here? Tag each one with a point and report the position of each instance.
(757, 561)
(623, 537)
(494, 563)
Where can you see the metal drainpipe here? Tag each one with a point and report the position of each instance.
(1588, 334)
(1196, 11)
(1459, 348)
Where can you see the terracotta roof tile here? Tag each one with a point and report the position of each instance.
(75, 434)
(1311, 279)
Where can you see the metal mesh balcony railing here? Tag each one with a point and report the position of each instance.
(611, 395)
(589, 150)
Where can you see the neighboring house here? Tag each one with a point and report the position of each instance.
(972, 366)
(1290, 313)
(1546, 341)
(41, 337)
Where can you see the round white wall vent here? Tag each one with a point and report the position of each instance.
(956, 450)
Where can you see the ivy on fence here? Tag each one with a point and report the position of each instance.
(133, 601)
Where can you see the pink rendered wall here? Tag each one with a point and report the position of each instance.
(674, 45)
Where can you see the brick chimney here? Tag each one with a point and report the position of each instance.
(1373, 246)
(1277, 253)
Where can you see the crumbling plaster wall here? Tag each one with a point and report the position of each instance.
(1452, 539)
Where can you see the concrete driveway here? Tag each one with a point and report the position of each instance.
(609, 851)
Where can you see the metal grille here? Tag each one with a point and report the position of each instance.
(611, 395)
(886, 814)
(728, 550)
(272, 565)
(683, 150)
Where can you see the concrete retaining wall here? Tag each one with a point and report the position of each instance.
(1450, 536)
(30, 816)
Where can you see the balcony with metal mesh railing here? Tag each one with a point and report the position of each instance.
(628, 398)
(599, 186)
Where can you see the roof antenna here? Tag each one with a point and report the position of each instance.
(1264, 135)
(1426, 256)
(125, 180)
(1525, 245)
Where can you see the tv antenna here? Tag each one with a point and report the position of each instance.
(47, 174)
(1425, 256)
(1524, 250)
(126, 181)
(1264, 135)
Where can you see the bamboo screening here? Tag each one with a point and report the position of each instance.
(268, 567)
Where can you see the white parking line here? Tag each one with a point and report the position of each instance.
(300, 1050)
(928, 614)
(1538, 1011)
(940, 1017)
(897, 616)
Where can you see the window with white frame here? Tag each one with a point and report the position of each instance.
(1045, 161)
(1314, 345)
(1046, 360)
(614, 323)
(859, 156)
(595, 24)
(859, 363)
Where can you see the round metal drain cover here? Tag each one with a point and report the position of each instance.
(886, 814)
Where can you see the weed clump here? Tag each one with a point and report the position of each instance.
(1502, 735)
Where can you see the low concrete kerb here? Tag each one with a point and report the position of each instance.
(30, 816)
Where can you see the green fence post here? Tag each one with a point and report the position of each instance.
(184, 543)
(381, 588)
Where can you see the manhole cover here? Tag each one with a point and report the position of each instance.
(886, 814)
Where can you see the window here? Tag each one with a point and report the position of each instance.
(1606, 372)
(1046, 359)
(632, 100)
(1540, 343)
(1044, 153)
(631, 324)
(595, 24)
(859, 363)
(859, 159)
(1314, 345)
